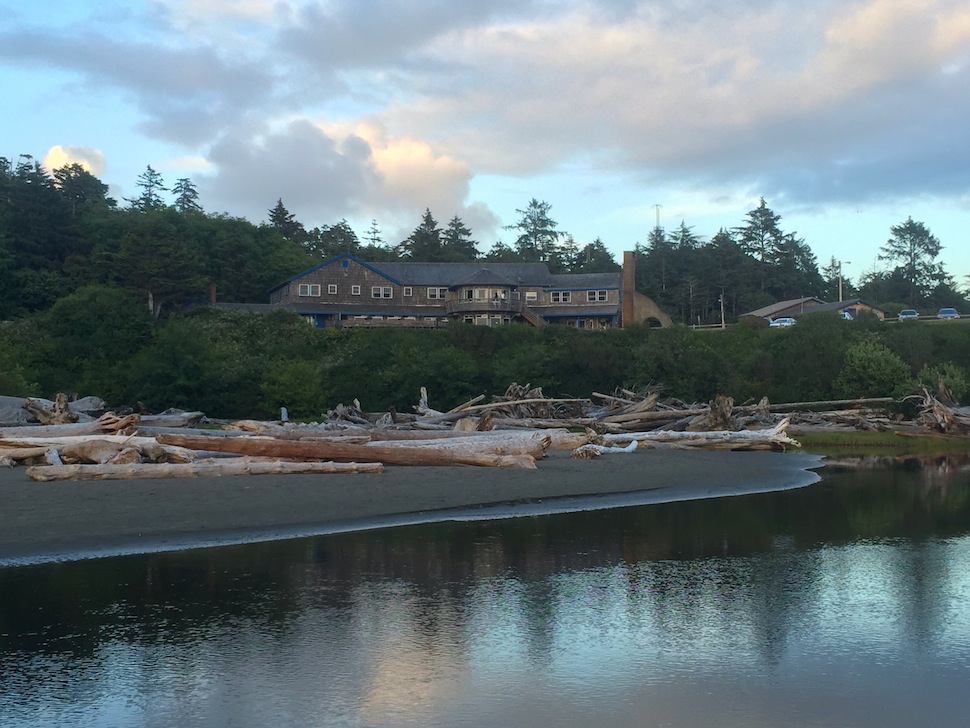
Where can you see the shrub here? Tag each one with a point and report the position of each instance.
(871, 370)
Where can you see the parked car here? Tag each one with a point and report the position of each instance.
(908, 314)
(947, 313)
(783, 322)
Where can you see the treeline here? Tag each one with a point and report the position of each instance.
(758, 263)
(100, 341)
(61, 231)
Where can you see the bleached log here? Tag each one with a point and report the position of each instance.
(591, 450)
(148, 446)
(774, 437)
(78, 428)
(17, 454)
(200, 469)
(532, 423)
(431, 452)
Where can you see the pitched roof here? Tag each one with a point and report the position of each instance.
(488, 272)
(484, 277)
(580, 281)
(839, 305)
(808, 302)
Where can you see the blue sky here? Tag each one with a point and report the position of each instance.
(847, 117)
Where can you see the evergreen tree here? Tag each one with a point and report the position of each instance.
(595, 258)
(760, 237)
(81, 189)
(537, 232)
(284, 221)
(152, 185)
(331, 240)
(915, 248)
(456, 240)
(424, 244)
(186, 196)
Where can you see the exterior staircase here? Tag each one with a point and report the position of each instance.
(532, 317)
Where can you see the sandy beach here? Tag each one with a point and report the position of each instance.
(71, 520)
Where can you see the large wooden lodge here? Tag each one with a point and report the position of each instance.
(345, 291)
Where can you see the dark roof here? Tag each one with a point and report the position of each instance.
(841, 305)
(802, 304)
(586, 281)
(451, 274)
(484, 277)
(445, 274)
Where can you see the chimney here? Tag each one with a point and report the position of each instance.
(629, 288)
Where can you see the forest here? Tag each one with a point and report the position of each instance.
(108, 298)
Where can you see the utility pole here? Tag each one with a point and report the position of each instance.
(657, 208)
(847, 262)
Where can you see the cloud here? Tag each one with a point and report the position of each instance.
(188, 95)
(325, 172)
(92, 160)
(829, 101)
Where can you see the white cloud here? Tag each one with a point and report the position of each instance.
(92, 160)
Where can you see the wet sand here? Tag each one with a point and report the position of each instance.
(71, 520)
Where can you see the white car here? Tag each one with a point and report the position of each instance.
(783, 322)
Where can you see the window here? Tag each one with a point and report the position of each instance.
(437, 293)
(407, 292)
(355, 290)
(531, 296)
(594, 296)
(332, 289)
(380, 292)
(309, 289)
(561, 296)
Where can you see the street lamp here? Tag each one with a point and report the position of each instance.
(847, 262)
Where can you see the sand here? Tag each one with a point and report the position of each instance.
(72, 520)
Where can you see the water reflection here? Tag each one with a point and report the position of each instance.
(846, 603)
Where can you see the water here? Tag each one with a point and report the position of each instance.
(846, 603)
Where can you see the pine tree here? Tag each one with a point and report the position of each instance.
(186, 196)
(152, 185)
(457, 243)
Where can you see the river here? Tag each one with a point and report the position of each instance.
(844, 603)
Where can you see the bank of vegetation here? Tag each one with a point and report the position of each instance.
(230, 364)
(108, 299)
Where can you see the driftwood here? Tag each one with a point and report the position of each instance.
(200, 469)
(428, 452)
(941, 418)
(774, 438)
(59, 414)
(87, 448)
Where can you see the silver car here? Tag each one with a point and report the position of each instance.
(783, 322)
(947, 313)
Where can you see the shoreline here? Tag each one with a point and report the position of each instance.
(72, 520)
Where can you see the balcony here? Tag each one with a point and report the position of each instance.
(483, 305)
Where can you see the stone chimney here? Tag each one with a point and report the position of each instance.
(628, 288)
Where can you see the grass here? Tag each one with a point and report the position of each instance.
(846, 443)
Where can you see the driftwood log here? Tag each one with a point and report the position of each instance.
(421, 452)
(774, 438)
(199, 469)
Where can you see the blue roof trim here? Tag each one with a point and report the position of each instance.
(342, 256)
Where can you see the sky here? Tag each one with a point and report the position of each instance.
(846, 116)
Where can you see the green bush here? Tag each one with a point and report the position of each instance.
(871, 370)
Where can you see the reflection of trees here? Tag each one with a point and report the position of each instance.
(687, 568)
